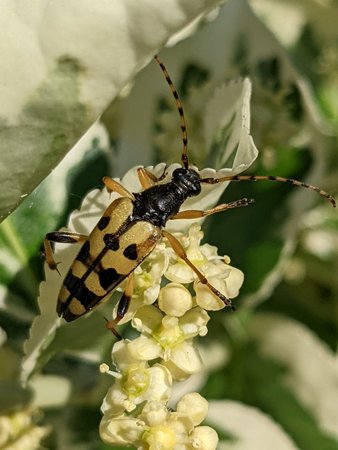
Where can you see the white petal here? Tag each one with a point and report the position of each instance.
(160, 383)
(234, 282)
(195, 406)
(175, 300)
(207, 299)
(182, 426)
(120, 430)
(176, 373)
(186, 357)
(147, 319)
(113, 403)
(209, 251)
(180, 273)
(144, 348)
(150, 295)
(154, 413)
(194, 322)
(204, 438)
(121, 356)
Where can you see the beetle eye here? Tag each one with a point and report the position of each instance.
(177, 173)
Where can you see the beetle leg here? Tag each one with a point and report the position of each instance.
(148, 179)
(122, 306)
(65, 237)
(196, 213)
(179, 250)
(164, 173)
(115, 186)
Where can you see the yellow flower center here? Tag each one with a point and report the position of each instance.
(145, 280)
(160, 438)
(135, 380)
(169, 334)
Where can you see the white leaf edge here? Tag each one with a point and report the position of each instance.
(236, 96)
(50, 391)
(312, 367)
(252, 429)
(285, 20)
(47, 322)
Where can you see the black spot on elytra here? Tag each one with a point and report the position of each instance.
(68, 316)
(130, 252)
(108, 277)
(103, 222)
(85, 296)
(84, 252)
(78, 290)
(71, 282)
(111, 241)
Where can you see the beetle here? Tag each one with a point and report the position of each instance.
(130, 228)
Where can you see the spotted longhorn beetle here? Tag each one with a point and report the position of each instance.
(131, 227)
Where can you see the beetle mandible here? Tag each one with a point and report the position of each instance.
(131, 227)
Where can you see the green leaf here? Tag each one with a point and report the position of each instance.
(255, 380)
(83, 55)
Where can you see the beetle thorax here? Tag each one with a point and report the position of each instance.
(161, 202)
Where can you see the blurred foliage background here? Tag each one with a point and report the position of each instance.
(280, 347)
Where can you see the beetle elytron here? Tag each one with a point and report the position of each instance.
(130, 228)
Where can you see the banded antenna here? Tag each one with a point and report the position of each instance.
(271, 178)
(184, 157)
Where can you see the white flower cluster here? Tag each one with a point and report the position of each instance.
(135, 409)
(19, 430)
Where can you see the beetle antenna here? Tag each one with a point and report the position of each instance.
(184, 157)
(271, 178)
